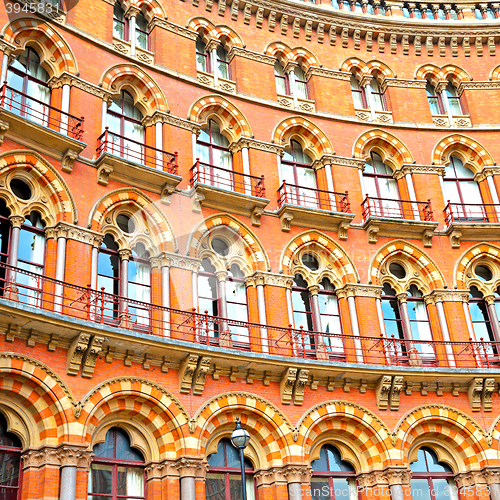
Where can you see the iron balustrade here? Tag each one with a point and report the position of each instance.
(18, 286)
(397, 209)
(204, 173)
(39, 112)
(313, 198)
(119, 145)
(470, 212)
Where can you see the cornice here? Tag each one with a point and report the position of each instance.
(181, 261)
(271, 279)
(250, 54)
(162, 117)
(72, 232)
(411, 168)
(174, 28)
(348, 162)
(65, 454)
(75, 81)
(355, 290)
(247, 142)
(397, 82)
(493, 85)
(439, 295)
(328, 73)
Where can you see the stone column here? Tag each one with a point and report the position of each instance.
(490, 300)
(353, 315)
(190, 469)
(71, 457)
(165, 297)
(290, 67)
(60, 268)
(131, 15)
(492, 477)
(296, 475)
(10, 286)
(124, 316)
(65, 108)
(212, 48)
(224, 333)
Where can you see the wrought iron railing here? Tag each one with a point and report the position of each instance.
(397, 209)
(40, 112)
(224, 178)
(470, 212)
(313, 198)
(129, 149)
(18, 286)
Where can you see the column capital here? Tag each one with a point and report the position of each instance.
(385, 477)
(444, 295)
(402, 297)
(269, 477)
(221, 275)
(158, 470)
(169, 259)
(72, 232)
(313, 289)
(124, 253)
(297, 473)
(271, 279)
(63, 455)
(357, 290)
(191, 466)
(17, 220)
(132, 11)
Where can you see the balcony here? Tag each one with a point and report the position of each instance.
(223, 189)
(470, 221)
(136, 164)
(315, 208)
(398, 219)
(38, 125)
(62, 310)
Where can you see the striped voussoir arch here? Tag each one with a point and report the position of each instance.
(56, 51)
(342, 264)
(160, 229)
(316, 139)
(254, 251)
(270, 428)
(152, 8)
(145, 402)
(495, 73)
(41, 391)
(429, 72)
(305, 57)
(229, 36)
(380, 67)
(60, 203)
(455, 74)
(428, 269)
(353, 65)
(456, 430)
(436, 74)
(388, 143)
(473, 151)
(481, 251)
(148, 92)
(203, 27)
(366, 433)
(281, 51)
(233, 119)
(360, 68)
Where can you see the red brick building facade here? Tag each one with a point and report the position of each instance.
(281, 211)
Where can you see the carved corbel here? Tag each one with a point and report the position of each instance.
(67, 161)
(200, 374)
(396, 387)
(103, 173)
(427, 238)
(455, 238)
(487, 396)
(382, 391)
(76, 352)
(256, 215)
(166, 194)
(4, 126)
(186, 372)
(287, 385)
(286, 220)
(372, 234)
(196, 201)
(475, 392)
(300, 386)
(90, 358)
(342, 230)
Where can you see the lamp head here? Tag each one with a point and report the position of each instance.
(240, 436)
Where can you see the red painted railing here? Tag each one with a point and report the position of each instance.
(39, 112)
(397, 209)
(469, 212)
(313, 198)
(205, 173)
(18, 286)
(115, 144)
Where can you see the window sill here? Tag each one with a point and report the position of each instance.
(302, 104)
(380, 116)
(208, 80)
(458, 120)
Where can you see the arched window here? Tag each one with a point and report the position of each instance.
(377, 96)
(330, 317)
(237, 305)
(108, 272)
(10, 460)
(420, 326)
(31, 257)
(223, 479)
(393, 321)
(141, 32)
(139, 285)
(453, 100)
(381, 188)
(282, 81)
(303, 313)
(223, 69)
(301, 83)
(5, 233)
(117, 469)
(462, 191)
(434, 99)
(126, 132)
(216, 161)
(202, 56)
(28, 94)
(358, 94)
(431, 479)
(208, 289)
(481, 320)
(120, 23)
(299, 176)
(332, 478)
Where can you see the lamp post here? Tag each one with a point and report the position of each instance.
(240, 439)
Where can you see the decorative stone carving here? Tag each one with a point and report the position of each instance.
(454, 237)
(382, 391)
(191, 467)
(487, 396)
(90, 358)
(4, 126)
(186, 372)
(76, 351)
(200, 374)
(287, 385)
(286, 220)
(103, 173)
(372, 233)
(299, 388)
(475, 392)
(396, 387)
(256, 216)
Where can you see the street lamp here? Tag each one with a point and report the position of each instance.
(240, 439)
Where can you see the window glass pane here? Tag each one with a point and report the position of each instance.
(420, 489)
(130, 482)
(369, 9)
(453, 14)
(215, 488)
(376, 95)
(9, 469)
(429, 14)
(100, 478)
(417, 14)
(320, 489)
(478, 13)
(341, 489)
